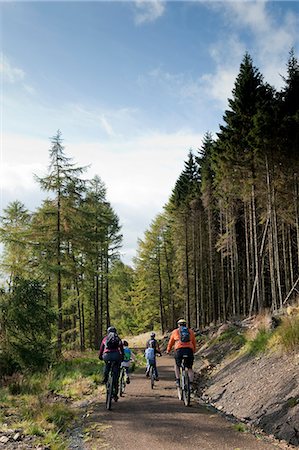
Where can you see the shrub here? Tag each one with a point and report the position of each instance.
(288, 333)
(59, 414)
(27, 322)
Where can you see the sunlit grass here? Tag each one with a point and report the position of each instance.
(260, 343)
(140, 340)
(288, 333)
(36, 404)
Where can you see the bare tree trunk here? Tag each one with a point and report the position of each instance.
(248, 277)
(257, 265)
(223, 299)
(285, 260)
(107, 287)
(160, 291)
(211, 251)
(59, 289)
(290, 255)
(170, 289)
(187, 273)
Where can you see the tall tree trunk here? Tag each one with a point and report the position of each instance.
(257, 263)
(59, 290)
(187, 272)
(107, 288)
(160, 291)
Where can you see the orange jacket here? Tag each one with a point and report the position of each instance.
(176, 342)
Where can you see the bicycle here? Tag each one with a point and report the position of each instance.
(152, 376)
(184, 391)
(111, 385)
(122, 381)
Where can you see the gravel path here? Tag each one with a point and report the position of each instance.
(156, 419)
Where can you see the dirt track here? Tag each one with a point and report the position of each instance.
(156, 419)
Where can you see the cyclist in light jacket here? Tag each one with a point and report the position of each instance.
(183, 340)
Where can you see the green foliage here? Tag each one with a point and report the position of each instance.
(241, 427)
(22, 385)
(76, 376)
(233, 335)
(260, 343)
(27, 323)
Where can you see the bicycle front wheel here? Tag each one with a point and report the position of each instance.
(186, 389)
(122, 383)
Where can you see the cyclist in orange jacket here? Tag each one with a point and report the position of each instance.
(183, 340)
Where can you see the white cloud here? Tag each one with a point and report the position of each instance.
(272, 38)
(148, 10)
(8, 72)
(139, 173)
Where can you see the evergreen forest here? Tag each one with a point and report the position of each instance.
(225, 245)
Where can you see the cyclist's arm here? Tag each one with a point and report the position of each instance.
(102, 348)
(121, 349)
(170, 343)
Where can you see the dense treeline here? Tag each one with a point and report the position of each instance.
(57, 263)
(227, 243)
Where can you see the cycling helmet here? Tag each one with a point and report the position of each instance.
(153, 335)
(125, 343)
(182, 322)
(111, 330)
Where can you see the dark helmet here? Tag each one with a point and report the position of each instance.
(111, 330)
(153, 335)
(125, 343)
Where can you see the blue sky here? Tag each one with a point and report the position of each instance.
(132, 85)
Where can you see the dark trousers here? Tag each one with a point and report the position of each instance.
(108, 358)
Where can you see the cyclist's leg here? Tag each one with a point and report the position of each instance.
(156, 370)
(147, 367)
(189, 365)
(107, 367)
(116, 373)
(127, 374)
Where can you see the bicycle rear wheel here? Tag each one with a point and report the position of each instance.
(180, 387)
(109, 390)
(186, 389)
(152, 377)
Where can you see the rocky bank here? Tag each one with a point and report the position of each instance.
(261, 391)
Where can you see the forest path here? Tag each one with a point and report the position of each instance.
(146, 418)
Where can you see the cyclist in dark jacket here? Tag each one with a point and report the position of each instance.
(111, 349)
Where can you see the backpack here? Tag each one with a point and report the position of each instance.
(184, 334)
(127, 354)
(150, 353)
(112, 341)
(152, 343)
